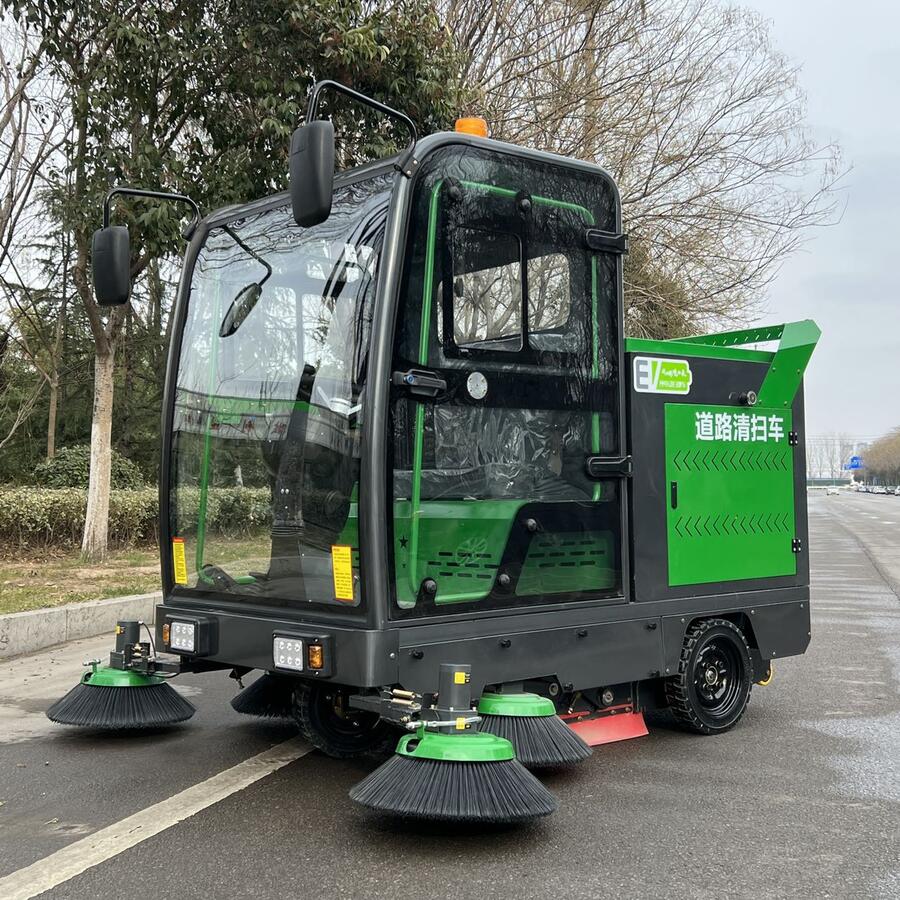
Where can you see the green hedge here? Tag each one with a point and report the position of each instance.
(44, 517)
(71, 468)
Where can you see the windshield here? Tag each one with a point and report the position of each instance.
(266, 427)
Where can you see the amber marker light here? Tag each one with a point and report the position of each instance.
(165, 633)
(315, 656)
(472, 125)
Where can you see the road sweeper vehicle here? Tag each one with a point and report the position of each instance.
(414, 474)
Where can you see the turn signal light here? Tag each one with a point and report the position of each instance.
(472, 125)
(315, 656)
(165, 634)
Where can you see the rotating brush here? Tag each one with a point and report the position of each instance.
(455, 774)
(529, 722)
(270, 697)
(118, 696)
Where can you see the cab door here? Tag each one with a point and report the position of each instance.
(506, 402)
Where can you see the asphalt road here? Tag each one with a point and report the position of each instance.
(802, 799)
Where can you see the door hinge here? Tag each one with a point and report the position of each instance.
(797, 545)
(793, 438)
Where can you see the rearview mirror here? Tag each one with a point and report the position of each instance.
(240, 308)
(312, 172)
(111, 265)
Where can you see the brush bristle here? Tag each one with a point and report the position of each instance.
(499, 792)
(540, 741)
(269, 696)
(101, 706)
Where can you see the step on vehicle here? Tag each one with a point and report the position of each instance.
(475, 524)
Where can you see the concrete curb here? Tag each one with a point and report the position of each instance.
(26, 632)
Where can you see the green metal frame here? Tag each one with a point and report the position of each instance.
(796, 343)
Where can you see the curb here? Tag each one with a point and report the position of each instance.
(27, 632)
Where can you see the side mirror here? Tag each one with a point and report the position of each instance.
(312, 172)
(111, 265)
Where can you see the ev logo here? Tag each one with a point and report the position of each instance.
(662, 376)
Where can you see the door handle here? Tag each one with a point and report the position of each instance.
(420, 382)
(608, 466)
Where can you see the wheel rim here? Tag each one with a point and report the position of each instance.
(718, 677)
(337, 720)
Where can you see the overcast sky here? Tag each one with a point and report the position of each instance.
(847, 277)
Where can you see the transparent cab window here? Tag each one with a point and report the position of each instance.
(487, 289)
(265, 455)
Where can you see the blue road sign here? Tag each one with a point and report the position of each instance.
(855, 463)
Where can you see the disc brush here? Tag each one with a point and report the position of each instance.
(270, 696)
(470, 777)
(108, 698)
(530, 723)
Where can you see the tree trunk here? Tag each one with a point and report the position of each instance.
(93, 546)
(51, 415)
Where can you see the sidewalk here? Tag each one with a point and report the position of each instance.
(27, 632)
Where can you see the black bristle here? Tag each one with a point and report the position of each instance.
(498, 792)
(269, 696)
(102, 706)
(540, 741)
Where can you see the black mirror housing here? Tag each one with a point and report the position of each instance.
(312, 172)
(111, 265)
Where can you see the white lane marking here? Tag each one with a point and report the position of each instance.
(108, 842)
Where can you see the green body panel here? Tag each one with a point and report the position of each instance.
(461, 542)
(105, 676)
(522, 705)
(460, 746)
(734, 518)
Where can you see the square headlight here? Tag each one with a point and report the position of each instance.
(288, 653)
(183, 636)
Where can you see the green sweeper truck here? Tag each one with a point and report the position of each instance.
(414, 474)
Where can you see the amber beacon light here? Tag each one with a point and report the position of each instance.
(472, 125)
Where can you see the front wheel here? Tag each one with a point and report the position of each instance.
(327, 721)
(715, 674)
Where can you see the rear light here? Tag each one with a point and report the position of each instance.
(194, 635)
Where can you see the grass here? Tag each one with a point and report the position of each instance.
(38, 579)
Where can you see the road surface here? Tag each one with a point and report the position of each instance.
(802, 799)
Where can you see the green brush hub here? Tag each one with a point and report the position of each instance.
(106, 676)
(474, 746)
(530, 705)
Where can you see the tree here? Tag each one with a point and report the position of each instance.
(699, 119)
(202, 98)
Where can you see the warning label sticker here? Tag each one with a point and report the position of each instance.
(342, 568)
(179, 562)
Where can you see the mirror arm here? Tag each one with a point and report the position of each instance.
(407, 163)
(156, 195)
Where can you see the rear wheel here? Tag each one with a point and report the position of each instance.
(715, 674)
(327, 721)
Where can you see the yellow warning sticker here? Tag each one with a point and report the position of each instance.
(460, 677)
(179, 562)
(460, 723)
(342, 569)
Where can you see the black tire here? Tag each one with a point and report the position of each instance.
(715, 675)
(326, 720)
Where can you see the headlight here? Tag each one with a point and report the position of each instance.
(287, 653)
(311, 654)
(183, 636)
